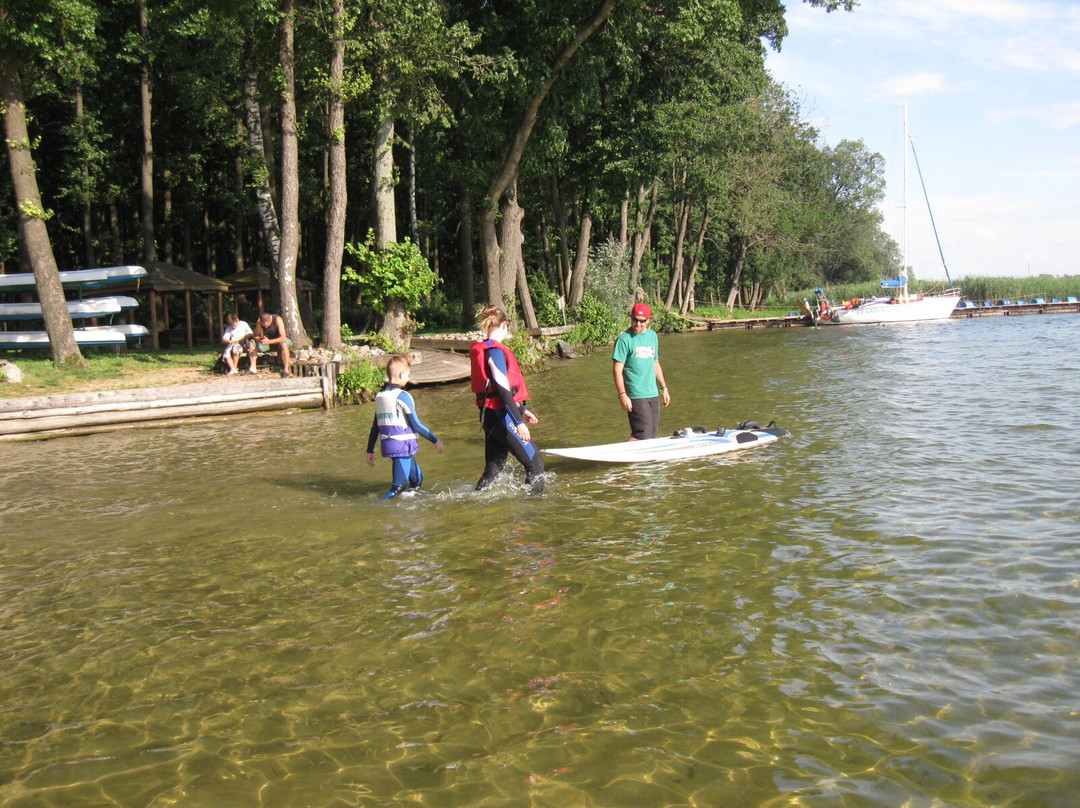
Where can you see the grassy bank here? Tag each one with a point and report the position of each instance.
(109, 372)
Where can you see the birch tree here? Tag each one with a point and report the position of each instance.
(29, 33)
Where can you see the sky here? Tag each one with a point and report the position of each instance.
(992, 90)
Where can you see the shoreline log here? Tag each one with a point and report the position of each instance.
(51, 416)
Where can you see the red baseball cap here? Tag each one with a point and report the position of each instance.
(641, 310)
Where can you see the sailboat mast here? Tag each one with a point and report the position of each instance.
(905, 148)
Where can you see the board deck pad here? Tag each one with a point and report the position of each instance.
(684, 445)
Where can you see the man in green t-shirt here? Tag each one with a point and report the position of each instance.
(639, 378)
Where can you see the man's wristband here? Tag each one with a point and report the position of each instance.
(622, 393)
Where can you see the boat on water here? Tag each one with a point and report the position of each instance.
(897, 304)
(75, 278)
(900, 307)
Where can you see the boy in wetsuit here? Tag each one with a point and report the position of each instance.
(396, 426)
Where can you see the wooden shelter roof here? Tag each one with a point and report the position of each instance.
(168, 278)
(260, 278)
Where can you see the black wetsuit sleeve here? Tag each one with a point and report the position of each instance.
(497, 372)
(373, 435)
(414, 420)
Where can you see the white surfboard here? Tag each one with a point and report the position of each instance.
(686, 444)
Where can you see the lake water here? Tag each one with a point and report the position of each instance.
(882, 609)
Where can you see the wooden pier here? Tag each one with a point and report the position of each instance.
(439, 367)
(717, 324)
(1015, 309)
(84, 413)
(1018, 309)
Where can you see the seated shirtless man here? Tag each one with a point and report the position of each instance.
(270, 335)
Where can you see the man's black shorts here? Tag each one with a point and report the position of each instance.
(644, 418)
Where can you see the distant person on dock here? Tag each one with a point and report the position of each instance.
(639, 377)
(503, 400)
(236, 338)
(397, 427)
(270, 335)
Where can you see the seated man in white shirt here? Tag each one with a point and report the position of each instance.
(235, 338)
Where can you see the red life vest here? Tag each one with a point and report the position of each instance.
(483, 386)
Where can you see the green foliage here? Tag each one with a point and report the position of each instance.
(663, 93)
(400, 272)
(346, 332)
(667, 321)
(994, 288)
(596, 323)
(608, 278)
(546, 304)
(438, 311)
(360, 381)
(526, 350)
(381, 342)
(723, 313)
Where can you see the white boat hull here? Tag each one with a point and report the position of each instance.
(78, 309)
(934, 307)
(129, 331)
(16, 340)
(75, 278)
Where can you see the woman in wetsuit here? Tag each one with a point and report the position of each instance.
(503, 400)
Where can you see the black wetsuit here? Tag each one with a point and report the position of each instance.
(500, 433)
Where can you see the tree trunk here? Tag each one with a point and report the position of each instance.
(32, 214)
(491, 254)
(566, 274)
(84, 177)
(581, 258)
(290, 185)
(682, 222)
(736, 272)
(414, 230)
(264, 198)
(624, 223)
(335, 226)
(512, 240)
(395, 321)
(145, 103)
(465, 248)
(167, 206)
(643, 224)
(114, 232)
(755, 295)
(508, 171)
(688, 303)
(527, 309)
(550, 264)
(396, 324)
(382, 181)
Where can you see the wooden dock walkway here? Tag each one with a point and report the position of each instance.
(439, 367)
(716, 324)
(960, 313)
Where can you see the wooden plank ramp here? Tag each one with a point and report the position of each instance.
(439, 367)
(106, 410)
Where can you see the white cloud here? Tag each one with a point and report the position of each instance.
(1056, 116)
(915, 84)
(997, 10)
(993, 91)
